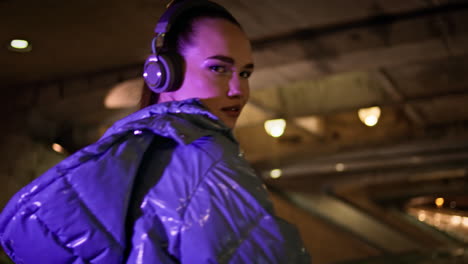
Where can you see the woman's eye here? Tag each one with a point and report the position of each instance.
(245, 74)
(218, 69)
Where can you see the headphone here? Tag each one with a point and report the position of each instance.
(163, 70)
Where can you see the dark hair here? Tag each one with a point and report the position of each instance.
(181, 35)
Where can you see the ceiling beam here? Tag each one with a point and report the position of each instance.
(369, 22)
(389, 85)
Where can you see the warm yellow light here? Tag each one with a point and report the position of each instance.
(276, 173)
(369, 116)
(422, 216)
(439, 201)
(465, 221)
(126, 94)
(19, 44)
(339, 167)
(57, 148)
(437, 218)
(275, 127)
(313, 124)
(456, 220)
(371, 120)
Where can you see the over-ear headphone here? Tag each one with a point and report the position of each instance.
(163, 70)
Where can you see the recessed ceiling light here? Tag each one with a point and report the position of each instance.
(340, 167)
(58, 148)
(19, 45)
(275, 127)
(276, 173)
(125, 94)
(369, 116)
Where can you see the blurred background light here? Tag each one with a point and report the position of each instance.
(58, 148)
(439, 202)
(276, 173)
(275, 127)
(339, 167)
(421, 216)
(369, 116)
(313, 124)
(20, 45)
(456, 220)
(125, 94)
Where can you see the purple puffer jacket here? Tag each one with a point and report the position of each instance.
(166, 184)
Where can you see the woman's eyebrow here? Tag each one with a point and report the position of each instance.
(249, 66)
(222, 58)
(229, 60)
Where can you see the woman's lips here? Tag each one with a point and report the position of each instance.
(232, 111)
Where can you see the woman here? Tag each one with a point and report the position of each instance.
(166, 184)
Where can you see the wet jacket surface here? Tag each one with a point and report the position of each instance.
(167, 184)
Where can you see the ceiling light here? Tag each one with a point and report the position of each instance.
(276, 173)
(439, 201)
(58, 148)
(126, 94)
(456, 220)
(369, 116)
(339, 167)
(19, 45)
(275, 127)
(313, 124)
(421, 216)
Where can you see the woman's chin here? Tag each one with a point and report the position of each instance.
(229, 122)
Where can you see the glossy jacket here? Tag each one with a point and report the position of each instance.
(205, 205)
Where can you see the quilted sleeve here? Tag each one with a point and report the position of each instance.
(230, 220)
(75, 214)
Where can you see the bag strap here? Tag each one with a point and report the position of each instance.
(155, 159)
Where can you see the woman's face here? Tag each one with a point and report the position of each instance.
(218, 65)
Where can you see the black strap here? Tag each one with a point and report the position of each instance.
(155, 160)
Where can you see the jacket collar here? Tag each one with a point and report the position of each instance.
(184, 121)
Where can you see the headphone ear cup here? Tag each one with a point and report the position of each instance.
(164, 73)
(175, 73)
(153, 72)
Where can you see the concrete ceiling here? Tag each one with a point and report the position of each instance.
(316, 59)
(317, 63)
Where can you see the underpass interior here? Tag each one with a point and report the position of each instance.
(391, 191)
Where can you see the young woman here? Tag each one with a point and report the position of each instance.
(167, 184)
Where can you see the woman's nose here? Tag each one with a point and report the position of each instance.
(237, 87)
